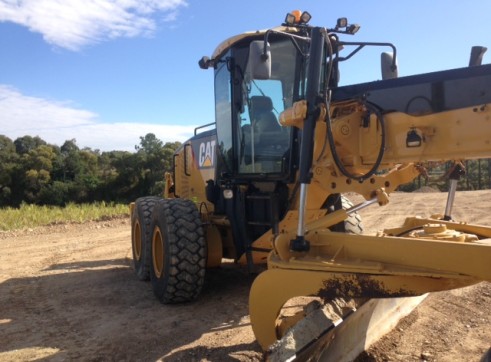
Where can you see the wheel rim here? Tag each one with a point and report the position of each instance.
(137, 240)
(158, 252)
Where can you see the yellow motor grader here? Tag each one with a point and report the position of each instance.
(264, 183)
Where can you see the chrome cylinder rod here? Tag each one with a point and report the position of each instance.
(450, 199)
(301, 210)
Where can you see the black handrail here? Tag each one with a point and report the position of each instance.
(203, 126)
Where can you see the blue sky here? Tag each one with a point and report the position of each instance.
(105, 72)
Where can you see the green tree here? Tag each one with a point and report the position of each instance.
(128, 173)
(34, 171)
(155, 158)
(38, 165)
(8, 164)
(27, 143)
(70, 154)
(87, 182)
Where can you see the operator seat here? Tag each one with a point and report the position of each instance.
(262, 115)
(270, 140)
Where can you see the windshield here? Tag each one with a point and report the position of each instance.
(264, 145)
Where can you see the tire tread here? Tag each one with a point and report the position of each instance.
(183, 276)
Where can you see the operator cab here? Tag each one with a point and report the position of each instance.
(252, 148)
(252, 144)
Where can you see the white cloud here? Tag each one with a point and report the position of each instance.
(55, 122)
(73, 24)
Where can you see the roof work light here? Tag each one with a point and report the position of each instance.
(297, 17)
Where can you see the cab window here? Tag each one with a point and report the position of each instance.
(264, 143)
(223, 115)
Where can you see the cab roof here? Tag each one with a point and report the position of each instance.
(226, 44)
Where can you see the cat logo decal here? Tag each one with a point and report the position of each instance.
(206, 155)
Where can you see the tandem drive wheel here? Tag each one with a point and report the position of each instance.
(141, 235)
(178, 251)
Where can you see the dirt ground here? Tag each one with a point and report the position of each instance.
(67, 292)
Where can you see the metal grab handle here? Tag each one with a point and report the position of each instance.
(186, 159)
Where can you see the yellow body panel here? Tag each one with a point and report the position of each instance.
(446, 255)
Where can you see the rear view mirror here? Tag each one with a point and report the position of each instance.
(259, 66)
(389, 66)
(205, 63)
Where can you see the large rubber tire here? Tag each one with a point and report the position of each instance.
(178, 251)
(141, 235)
(353, 224)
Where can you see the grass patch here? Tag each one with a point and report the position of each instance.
(30, 216)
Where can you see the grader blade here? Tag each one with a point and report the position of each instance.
(340, 334)
(266, 300)
(307, 339)
(355, 266)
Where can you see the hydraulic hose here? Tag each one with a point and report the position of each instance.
(369, 106)
(380, 118)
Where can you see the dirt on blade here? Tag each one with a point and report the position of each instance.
(69, 292)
